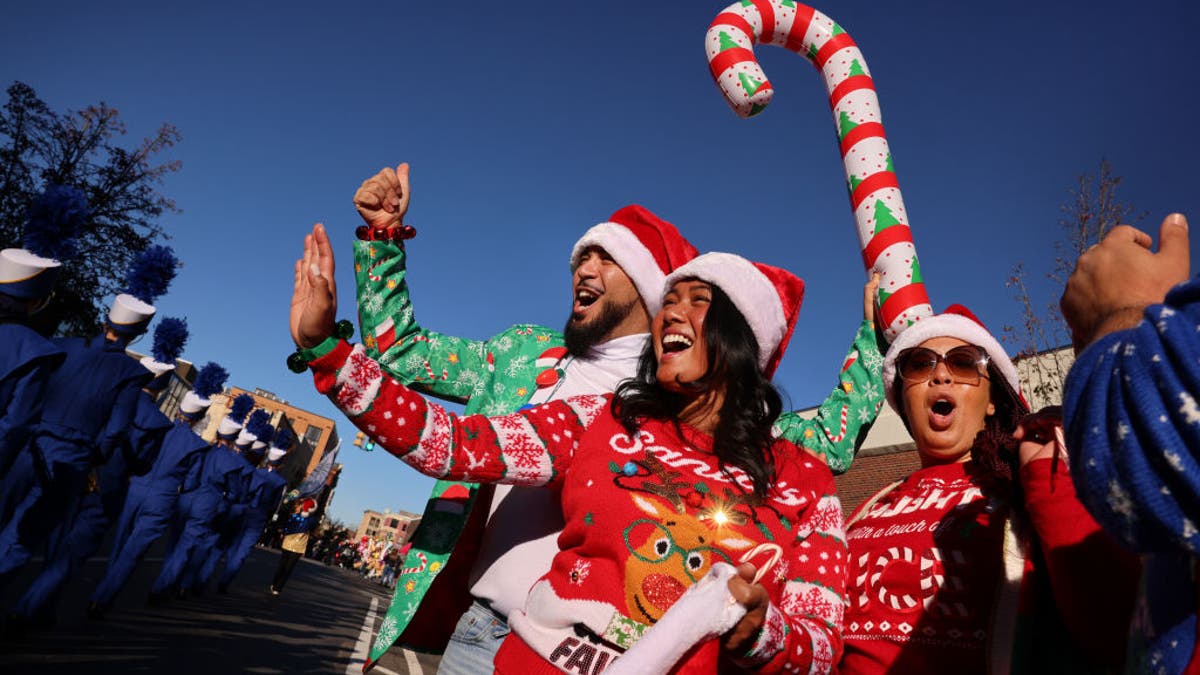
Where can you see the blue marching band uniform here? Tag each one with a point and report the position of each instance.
(85, 450)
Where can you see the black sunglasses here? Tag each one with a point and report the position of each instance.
(967, 364)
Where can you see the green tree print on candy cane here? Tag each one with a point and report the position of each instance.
(845, 124)
(749, 83)
(854, 181)
(883, 217)
(916, 271)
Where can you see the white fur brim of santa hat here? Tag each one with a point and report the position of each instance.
(276, 454)
(956, 322)
(23, 274)
(769, 298)
(645, 246)
(193, 404)
(156, 367)
(128, 314)
(228, 427)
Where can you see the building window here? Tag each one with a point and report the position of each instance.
(312, 435)
(394, 523)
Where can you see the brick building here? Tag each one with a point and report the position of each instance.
(394, 527)
(315, 434)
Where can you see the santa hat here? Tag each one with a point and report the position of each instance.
(210, 381)
(645, 246)
(768, 297)
(232, 422)
(55, 219)
(956, 322)
(169, 337)
(148, 278)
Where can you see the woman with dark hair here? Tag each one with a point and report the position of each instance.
(732, 380)
(983, 560)
(674, 473)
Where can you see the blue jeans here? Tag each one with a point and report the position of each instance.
(475, 641)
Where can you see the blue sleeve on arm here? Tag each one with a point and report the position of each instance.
(1133, 427)
(18, 421)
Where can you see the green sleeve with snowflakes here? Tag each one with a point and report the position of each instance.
(843, 419)
(444, 366)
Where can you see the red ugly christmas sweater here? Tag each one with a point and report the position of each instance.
(941, 583)
(646, 516)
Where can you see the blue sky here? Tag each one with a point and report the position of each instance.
(526, 123)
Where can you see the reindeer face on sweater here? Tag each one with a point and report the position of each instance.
(673, 547)
(668, 552)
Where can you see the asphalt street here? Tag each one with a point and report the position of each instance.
(323, 622)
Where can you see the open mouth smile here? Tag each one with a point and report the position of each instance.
(673, 343)
(584, 298)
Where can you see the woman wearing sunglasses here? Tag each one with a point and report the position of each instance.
(983, 560)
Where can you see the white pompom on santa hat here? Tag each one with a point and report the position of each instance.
(646, 247)
(769, 298)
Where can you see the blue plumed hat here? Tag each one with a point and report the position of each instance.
(210, 381)
(263, 432)
(258, 430)
(280, 445)
(148, 278)
(55, 219)
(232, 422)
(169, 337)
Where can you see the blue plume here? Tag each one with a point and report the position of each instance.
(283, 438)
(151, 273)
(260, 425)
(169, 337)
(210, 380)
(55, 219)
(241, 406)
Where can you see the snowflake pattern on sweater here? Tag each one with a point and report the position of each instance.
(642, 515)
(1133, 420)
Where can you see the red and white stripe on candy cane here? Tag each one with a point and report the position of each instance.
(882, 222)
(842, 435)
(418, 568)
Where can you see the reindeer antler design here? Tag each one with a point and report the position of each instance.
(668, 484)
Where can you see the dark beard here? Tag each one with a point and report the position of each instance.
(579, 338)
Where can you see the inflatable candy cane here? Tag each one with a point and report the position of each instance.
(879, 213)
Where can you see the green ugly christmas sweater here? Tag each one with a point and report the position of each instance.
(497, 376)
